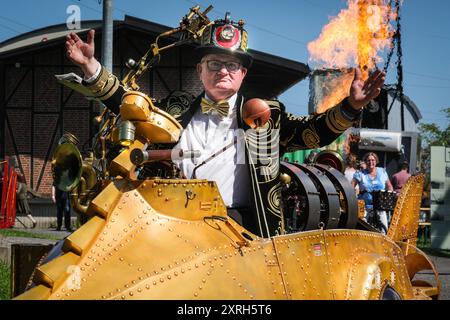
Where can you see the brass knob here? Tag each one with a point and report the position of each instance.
(285, 178)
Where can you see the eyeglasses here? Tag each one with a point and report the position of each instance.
(216, 65)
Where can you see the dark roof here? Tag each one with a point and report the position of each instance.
(269, 76)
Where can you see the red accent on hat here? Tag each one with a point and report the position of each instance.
(227, 36)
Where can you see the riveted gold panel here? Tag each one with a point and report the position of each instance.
(405, 219)
(300, 257)
(352, 265)
(105, 201)
(184, 199)
(78, 241)
(50, 274)
(164, 257)
(417, 261)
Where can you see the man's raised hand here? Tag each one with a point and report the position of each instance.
(82, 53)
(361, 92)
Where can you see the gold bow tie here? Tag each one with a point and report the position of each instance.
(220, 107)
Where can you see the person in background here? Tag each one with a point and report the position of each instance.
(371, 179)
(399, 179)
(61, 199)
(362, 165)
(350, 167)
(23, 206)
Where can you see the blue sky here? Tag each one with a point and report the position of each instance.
(282, 28)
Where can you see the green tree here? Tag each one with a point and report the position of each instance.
(433, 135)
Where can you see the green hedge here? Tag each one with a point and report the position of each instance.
(5, 281)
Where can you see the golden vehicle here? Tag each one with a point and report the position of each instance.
(150, 234)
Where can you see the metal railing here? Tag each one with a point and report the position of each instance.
(8, 194)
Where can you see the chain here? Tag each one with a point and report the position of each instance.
(398, 37)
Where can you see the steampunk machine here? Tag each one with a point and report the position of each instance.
(150, 233)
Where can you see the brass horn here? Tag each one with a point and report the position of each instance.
(67, 164)
(72, 174)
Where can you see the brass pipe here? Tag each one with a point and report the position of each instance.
(75, 200)
(79, 196)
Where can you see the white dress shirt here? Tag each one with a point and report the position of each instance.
(210, 133)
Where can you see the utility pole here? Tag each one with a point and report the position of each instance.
(107, 36)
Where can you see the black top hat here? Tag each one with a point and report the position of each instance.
(226, 36)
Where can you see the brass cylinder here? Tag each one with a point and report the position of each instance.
(126, 133)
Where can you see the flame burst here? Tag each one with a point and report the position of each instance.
(356, 37)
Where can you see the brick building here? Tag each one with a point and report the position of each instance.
(35, 110)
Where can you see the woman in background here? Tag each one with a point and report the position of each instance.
(371, 179)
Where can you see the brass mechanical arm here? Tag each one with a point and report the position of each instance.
(191, 27)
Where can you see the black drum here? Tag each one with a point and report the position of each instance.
(384, 200)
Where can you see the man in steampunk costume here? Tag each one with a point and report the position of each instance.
(251, 189)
